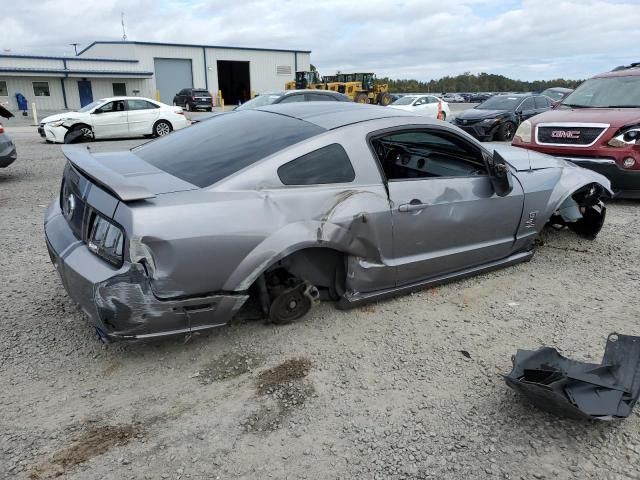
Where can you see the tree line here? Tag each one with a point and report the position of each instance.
(480, 82)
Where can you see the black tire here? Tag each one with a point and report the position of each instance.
(506, 131)
(384, 99)
(78, 134)
(209, 109)
(162, 128)
(361, 98)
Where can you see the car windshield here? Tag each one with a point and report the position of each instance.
(606, 92)
(500, 102)
(404, 101)
(91, 106)
(210, 151)
(260, 101)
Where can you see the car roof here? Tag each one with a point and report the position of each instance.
(623, 72)
(331, 115)
(107, 99)
(559, 89)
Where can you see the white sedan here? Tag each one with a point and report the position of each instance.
(114, 117)
(427, 105)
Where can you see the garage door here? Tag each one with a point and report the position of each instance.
(172, 75)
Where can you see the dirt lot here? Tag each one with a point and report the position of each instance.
(380, 392)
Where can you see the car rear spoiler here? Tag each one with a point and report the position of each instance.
(80, 157)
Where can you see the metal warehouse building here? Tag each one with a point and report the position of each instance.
(113, 68)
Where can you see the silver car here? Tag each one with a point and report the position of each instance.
(292, 204)
(8, 152)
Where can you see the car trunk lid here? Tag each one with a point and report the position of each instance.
(123, 174)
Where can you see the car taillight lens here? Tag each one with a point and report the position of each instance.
(1, 129)
(106, 240)
(193, 98)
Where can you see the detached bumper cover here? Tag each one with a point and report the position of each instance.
(583, 391)
(119, 302)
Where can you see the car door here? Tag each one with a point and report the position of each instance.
(446, 215)
(110, 120)
(142, 114)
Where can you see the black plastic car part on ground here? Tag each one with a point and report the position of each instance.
(499, 116)
(583, 391)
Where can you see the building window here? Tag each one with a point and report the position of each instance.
(119, 90)
(283, 69)
(3, 89)
(41, 89)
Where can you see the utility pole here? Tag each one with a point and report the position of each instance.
(124, 32)
(75, 47)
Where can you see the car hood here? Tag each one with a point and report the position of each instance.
(63, 116)
(616, 117)
(476, 114)
(524, 160)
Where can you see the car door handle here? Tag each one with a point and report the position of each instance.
(412, 206)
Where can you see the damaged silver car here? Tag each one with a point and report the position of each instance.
(292, 204)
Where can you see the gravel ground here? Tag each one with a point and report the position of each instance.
(379, 392)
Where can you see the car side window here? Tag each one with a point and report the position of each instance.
(318, 97)
(292, 98)
(433, 100)
(541, 102)
(528, 104)
(141, 105)
(109, 107)
(424, 154)
(328, 164)
(421, 101)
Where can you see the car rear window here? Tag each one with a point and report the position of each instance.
(212, 150)
(201, 93)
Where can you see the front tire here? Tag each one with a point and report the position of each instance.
(384, 99)
(506, 131)
(79, 133)
(162, 128)
(361, 98)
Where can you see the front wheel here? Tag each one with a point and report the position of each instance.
(79, 133)
(506, 131)
(162, 128)
(361, 98)
(384, 99)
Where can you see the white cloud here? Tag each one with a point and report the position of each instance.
(424, 39)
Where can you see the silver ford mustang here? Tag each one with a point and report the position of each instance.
(292, 204)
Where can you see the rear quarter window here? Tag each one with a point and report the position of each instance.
(328, 164)
(209, 151)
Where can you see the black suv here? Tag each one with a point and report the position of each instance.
(499, 116)
(193, 99)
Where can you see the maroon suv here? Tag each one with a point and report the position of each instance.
(597, 127)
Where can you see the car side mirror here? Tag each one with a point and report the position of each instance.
(500, 175)
(555, 104)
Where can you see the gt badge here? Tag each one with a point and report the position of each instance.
(530, 222)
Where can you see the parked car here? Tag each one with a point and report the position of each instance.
(8, 153)
(499, 116)
(479, 97)
(427, 105)
(114, 117)
(557, 94)
(284, 96)
(453, 98)
(291, 96)
(597, 127)
(291, 204)
(194, 99)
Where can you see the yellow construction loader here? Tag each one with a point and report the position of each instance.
(306, 80)
(361, 88)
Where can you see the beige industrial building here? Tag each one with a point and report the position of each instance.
(154, 70)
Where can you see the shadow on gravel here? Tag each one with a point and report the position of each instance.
(91, 443)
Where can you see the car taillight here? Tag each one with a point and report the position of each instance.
(193, 98)
(181, 112)
(106, 240)
(1, 129)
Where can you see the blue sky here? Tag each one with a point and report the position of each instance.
(422, 39)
